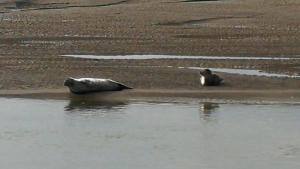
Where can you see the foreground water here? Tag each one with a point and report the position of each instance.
(134, 134)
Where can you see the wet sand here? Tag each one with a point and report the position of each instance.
(221, 96)
(35, 36)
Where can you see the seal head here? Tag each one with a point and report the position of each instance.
(69, 82)
(205, 72)
(207, 78)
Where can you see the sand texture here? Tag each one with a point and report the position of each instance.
(34, 35)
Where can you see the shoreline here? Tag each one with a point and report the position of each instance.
(290, 95)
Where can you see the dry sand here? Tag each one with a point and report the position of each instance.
(33, 38)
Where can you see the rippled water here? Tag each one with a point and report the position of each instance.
(134, 134)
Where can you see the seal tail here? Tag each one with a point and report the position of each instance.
(123, 86)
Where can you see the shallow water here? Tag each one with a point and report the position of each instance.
(250, 72)
(144, 57)
(133, 134)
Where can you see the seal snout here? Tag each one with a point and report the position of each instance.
(69, 82)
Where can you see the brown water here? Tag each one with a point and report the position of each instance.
(161, 134)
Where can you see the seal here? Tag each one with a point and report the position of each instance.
(207, 78)
(90, 85)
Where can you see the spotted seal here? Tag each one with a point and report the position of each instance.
(89, 85)
(207, 78)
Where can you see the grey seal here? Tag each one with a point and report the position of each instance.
(89, 85)
(207, 78)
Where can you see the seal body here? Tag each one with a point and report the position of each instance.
(89, 85)
(207, 78)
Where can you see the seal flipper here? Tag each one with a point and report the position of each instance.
(121, 85)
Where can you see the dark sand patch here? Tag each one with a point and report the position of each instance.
(178, 57)
(199, 1)
(201, 21)
(25, 5)
(46, 40)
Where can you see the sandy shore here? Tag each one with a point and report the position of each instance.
(34, 36)
(242, 96)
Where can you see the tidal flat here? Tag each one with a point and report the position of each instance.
(168, 120)
(36, 36)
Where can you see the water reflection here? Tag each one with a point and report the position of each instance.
(207, 109)
(95, 106)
